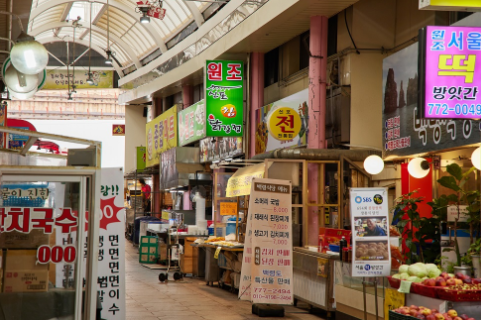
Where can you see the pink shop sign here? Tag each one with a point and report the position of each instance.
(452, 73)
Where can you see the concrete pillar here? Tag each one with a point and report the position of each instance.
(156, 195)
(187, 95)
(317, 116)
(256, 95)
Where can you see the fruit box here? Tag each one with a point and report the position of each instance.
(395, 283)
(397, 316)
(458, 295)
(423, 290)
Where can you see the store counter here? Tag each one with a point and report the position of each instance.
(313, 281)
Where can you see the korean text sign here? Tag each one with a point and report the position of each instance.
(453, 65)
(370, 232)
(192, 123)
(271, 258)
(161, 135)
(224, 98)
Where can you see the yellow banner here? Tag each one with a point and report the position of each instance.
(240, 183)
(393, 300)
(161, 135)
(57, 79)
(449, 4)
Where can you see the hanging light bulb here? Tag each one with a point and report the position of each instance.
(373, 164)
(108, 61)
(145, 18)
(20, 82)
(22, 95)
(476, 158)
(418, 168)
(70, 96)
(90, 79)
(29, 56)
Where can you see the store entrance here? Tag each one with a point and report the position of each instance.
(43, 249)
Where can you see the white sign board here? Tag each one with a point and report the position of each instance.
(245, 282)
(453, 213)
(370, 232)
(270, 206)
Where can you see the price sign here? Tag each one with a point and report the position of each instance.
(393, 300)
(228, 208)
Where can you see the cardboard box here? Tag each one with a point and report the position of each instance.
(17, 240)
(23, 260)
(25, 281)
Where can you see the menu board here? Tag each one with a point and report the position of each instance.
(245, 281)
(270, 206)
(370, 232)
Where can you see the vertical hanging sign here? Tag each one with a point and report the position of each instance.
(224, 97)
(270, 207)
(370, 232)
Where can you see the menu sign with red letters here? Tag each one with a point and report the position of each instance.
(224, 98)
(270, 207)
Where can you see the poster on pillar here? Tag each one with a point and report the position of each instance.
(224, 85)
(283, 124)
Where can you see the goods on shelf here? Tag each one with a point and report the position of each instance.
(417, 272)
(216, 239)
(427, 314)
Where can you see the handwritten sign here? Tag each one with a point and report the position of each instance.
(228, 208)
(393, 300)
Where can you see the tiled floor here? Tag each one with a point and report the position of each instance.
(190, 299)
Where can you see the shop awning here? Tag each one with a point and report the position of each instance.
(240, 183)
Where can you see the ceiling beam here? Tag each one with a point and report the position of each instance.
(99, 14)
(199, 19)
(63, 17)
(121, 43)
(149, 28)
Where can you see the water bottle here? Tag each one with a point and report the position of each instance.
(342, 245)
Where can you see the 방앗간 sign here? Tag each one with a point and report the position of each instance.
(370, 232)
(452, 65)
(224, 87)
(161, 135)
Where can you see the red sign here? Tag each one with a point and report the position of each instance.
(156, 12)
(118, 129)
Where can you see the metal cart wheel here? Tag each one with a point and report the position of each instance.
(163, 277)
(177, 276)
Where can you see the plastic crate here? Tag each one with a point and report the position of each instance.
(458, 295)
(395, 283)
(397, 316)
(148, 250)
(423, 290)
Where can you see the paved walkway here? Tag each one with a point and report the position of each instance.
(190, 299)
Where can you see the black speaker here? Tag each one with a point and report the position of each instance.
(145, 112)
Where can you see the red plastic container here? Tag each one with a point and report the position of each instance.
(395, 283)
(458, 295)
(424, 290)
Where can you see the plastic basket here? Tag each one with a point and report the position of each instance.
(423, 290)
(393, 282)
(397, 316)
(458, 295)
(148, 250)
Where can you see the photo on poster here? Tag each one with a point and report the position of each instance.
(372, 250)
(370, 227)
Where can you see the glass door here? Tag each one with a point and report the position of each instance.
(43, 246)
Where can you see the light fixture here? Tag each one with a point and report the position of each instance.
(20, 82)
(145, 18)
(22, 95)
(90, 79)
(5, 94)
(73, 89)
(108, 61)
(29, 56)
(373, 164)
(70, 96)
(476, 158)
(418, 168)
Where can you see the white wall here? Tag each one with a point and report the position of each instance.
(113, 148)
(135, 135)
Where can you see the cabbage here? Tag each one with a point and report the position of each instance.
(424, 278)
(414, 279)
(397, 276)
(404, 276)
(418, 270)
(433, 270)
(404, 268)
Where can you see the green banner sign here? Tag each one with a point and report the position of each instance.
(191, 123)
(224, 98)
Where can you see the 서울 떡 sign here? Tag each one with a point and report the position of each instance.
(224, 98)
(451, 68)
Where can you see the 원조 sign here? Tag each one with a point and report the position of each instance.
(452, 64)
(224, 85)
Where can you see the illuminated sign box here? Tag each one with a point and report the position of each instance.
(452, 69)
(450, 5)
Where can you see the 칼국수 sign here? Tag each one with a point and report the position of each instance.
(452, 65)
(224, 98)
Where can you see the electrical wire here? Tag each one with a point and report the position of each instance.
(348, 31)
(90, 39)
